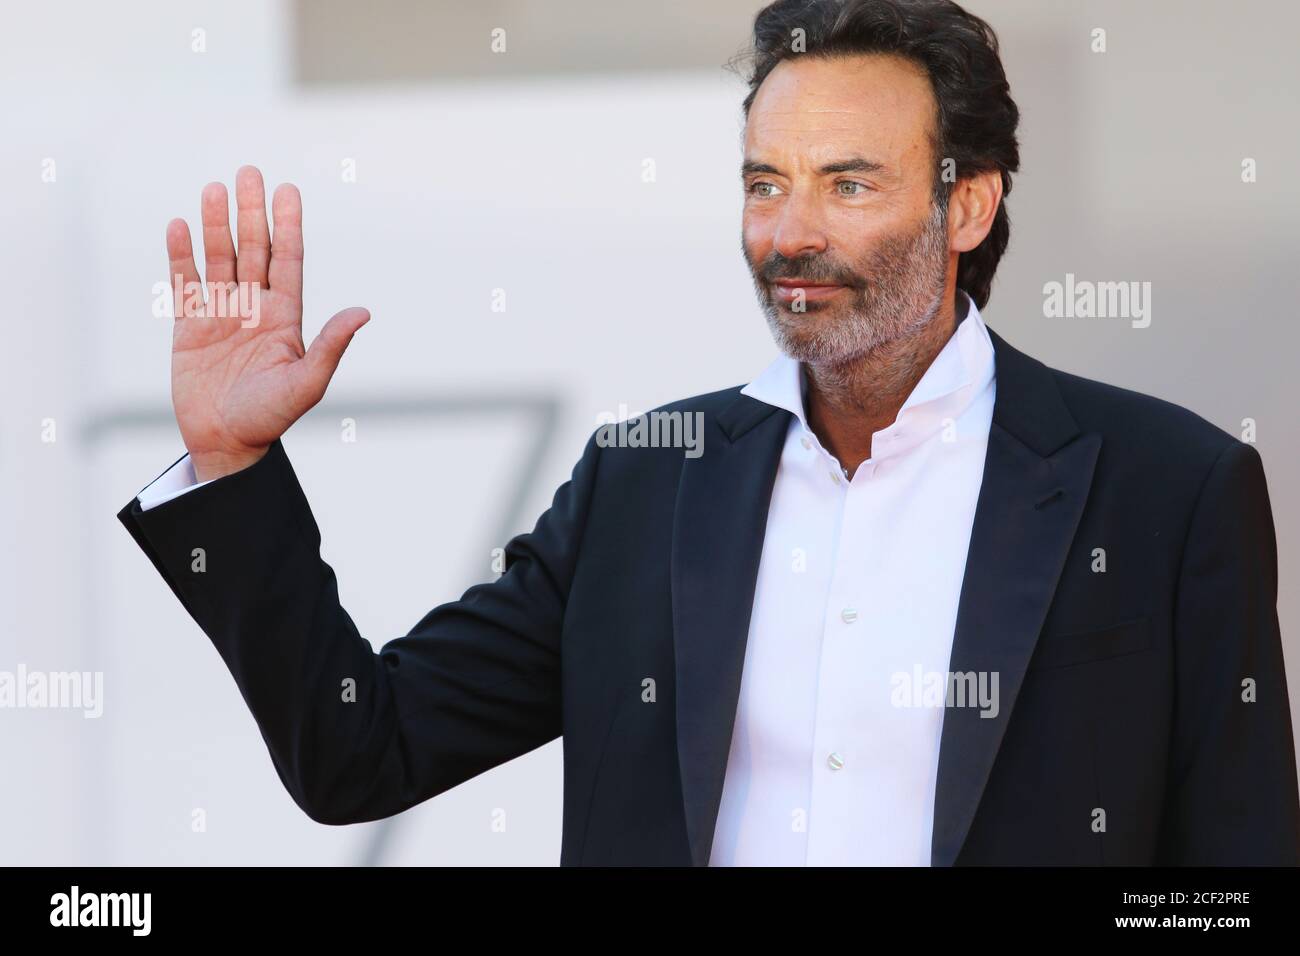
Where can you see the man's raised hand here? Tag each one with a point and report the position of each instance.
(240, 373)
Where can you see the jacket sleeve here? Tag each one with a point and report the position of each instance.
(357, 735)
(1231, 793)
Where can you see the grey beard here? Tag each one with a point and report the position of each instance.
(906, 281)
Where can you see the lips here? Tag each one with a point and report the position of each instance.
(789, 290)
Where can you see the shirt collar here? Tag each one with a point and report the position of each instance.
(960, 371)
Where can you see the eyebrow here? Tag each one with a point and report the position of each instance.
(855, 164)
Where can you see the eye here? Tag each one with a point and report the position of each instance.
(857, 190)
(756, 189)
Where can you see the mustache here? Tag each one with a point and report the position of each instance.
(813, 270)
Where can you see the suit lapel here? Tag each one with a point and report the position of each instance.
(718, 529)
(1037, 475)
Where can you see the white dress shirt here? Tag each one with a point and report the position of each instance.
(858, 584)
(856, 599)
(172, 483)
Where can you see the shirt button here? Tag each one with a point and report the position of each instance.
(805, 442)
(835, 761)
(848, 615)
(835, 477)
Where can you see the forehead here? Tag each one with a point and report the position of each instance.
(877, 103)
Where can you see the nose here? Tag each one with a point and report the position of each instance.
(799, 230)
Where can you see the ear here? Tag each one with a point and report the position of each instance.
(971, 207)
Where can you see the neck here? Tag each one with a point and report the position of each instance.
(847, 403)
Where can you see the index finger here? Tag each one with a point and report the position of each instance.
(286, 242)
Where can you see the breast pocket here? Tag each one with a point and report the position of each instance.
(1081, 647)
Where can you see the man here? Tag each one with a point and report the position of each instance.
(921, 600)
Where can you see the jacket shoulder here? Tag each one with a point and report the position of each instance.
(1127, 415)
(659, 438)
(1151, 441)
(711, 404)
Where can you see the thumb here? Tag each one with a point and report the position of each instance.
(317, 367)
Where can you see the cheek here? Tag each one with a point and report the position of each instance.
(756, 231)
(855, 235)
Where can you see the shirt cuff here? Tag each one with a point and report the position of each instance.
(172, 483)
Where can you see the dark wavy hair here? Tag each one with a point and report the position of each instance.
(977, 118)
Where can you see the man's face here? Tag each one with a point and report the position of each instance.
(847, 248)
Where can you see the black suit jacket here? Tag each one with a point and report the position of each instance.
(1121, 690)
